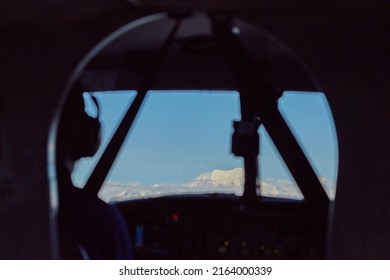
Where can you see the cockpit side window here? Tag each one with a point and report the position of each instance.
(310, 119)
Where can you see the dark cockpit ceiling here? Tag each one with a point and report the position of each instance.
(334, 30)
(194, 60)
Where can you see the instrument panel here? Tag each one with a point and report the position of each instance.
(224, 227)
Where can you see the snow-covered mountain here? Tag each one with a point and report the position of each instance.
(216, 181)
(219, 178)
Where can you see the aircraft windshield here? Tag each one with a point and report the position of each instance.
(180, 144)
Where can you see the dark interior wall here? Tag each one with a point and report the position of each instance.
(29, 92)
(36, 63)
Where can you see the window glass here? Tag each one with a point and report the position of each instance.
(310, 119)
(276, 179)
(180, 144)
(113, 106)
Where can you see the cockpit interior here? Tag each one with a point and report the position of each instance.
(228, 131)
(211, 225)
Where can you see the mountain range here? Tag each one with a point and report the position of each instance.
(216, 181)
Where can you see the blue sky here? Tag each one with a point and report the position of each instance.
(179, 135)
